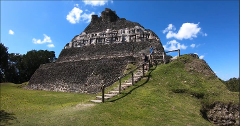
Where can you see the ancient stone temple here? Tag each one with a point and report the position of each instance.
(97, 56)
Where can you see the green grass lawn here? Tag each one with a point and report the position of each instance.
(168, 95)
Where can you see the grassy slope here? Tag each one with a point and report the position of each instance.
(151, 101)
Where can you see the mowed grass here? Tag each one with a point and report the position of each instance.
(168, 95)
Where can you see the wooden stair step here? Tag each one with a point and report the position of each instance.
(113, 92)
(100, 97)
(127, 83)
(96, 101)
(137, 75)
(110, 95)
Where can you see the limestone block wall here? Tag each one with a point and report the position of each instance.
(84, 76)
(108, 51)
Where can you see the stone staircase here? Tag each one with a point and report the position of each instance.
(136, 77)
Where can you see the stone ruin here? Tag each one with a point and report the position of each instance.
(99, 55)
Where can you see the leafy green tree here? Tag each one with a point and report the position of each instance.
(4, 61)
(33, 59)
(20, 68)
(232, 84)
(14, 67)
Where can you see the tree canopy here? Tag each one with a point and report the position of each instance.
(18, 68)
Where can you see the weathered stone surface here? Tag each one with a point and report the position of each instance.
(108, 20)
(109, 29)
(85, 76)
(107, 51)
(223, 114)
(97, 56)
(193, 55)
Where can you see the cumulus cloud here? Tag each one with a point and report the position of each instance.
(87, 17)
(10, 32)
(45, 40)
(50, 45)
(76, 5)
(192, 45)
(75, 15)
(201, 57)
(170, 27)
(174, 45)
(95, 2)
(187, 31)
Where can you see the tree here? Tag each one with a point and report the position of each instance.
(233, 84)
(33, 59)
(19, 68)
(4, 61)
(14, 66)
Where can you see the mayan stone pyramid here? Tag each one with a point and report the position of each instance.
(97, 56)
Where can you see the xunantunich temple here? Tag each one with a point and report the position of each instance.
(97, 56)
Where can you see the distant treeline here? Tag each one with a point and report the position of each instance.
(17, 68)
(232, 84)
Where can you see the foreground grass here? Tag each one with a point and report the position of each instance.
(166, 96)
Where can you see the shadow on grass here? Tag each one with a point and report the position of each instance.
(6, 117)
(136, 86)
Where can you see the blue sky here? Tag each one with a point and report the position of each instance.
(208, 28)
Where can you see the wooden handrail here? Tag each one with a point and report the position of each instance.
(175, 51)
(119, 78)
(131, 71)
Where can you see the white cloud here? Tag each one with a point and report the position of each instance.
(187, 31)
(174, 45)
(203, 34)
(87, 17)
(170, 27)
(75, 15)
(192, 45)
(95, 2)
(10, 32)
(45, 40)
(76, 5)
(50, 45)
(201, 57)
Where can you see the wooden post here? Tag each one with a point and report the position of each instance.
(103, 87)
(149, 63)
(178, 52)
(143, 70)
(132, 79)
(120, 85)
(164, 58)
